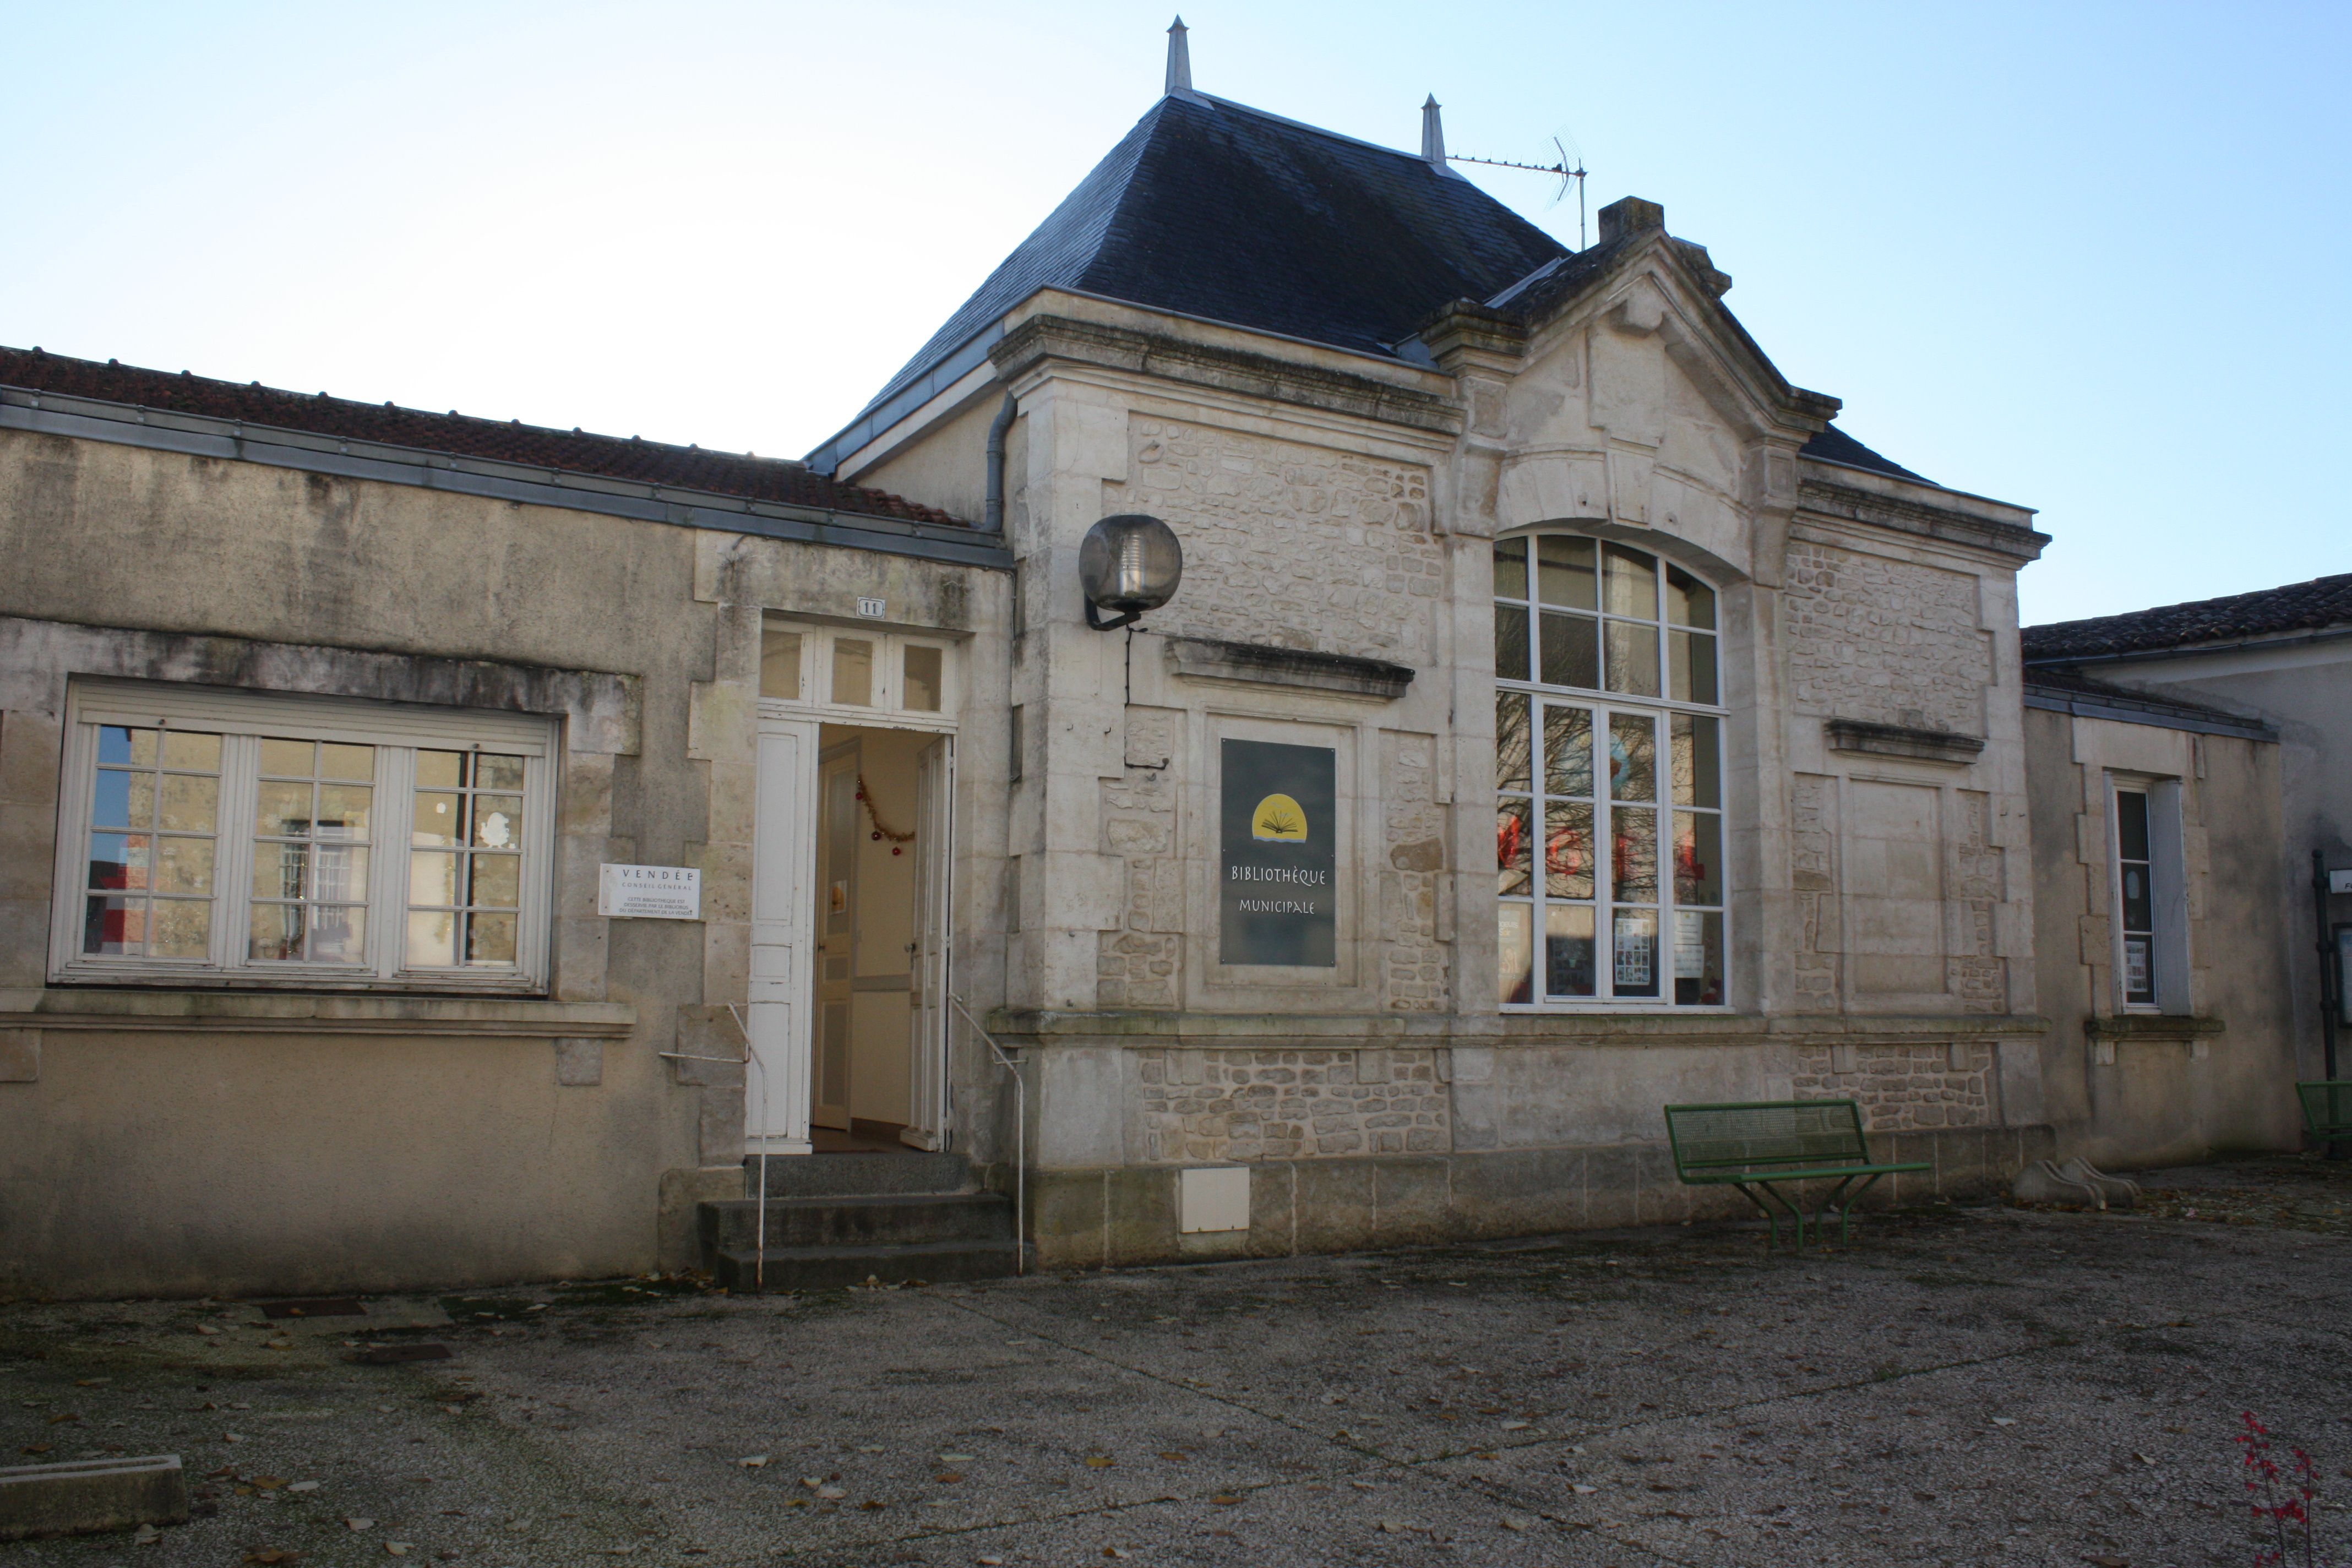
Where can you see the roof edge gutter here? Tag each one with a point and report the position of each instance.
(2189, 650)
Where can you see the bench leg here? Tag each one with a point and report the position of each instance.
(1772, 1215)
(1845, 1210)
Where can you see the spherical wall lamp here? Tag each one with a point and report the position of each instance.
(1127, 564)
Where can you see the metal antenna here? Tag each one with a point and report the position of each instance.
(1565, 170)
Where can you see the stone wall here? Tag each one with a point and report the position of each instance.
(1140, 964)
(1885, 640)
(1287, 544)
(1216, 1105)
(1902, 1089)
(1415, 971)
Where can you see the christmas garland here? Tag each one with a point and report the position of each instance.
(882, 830)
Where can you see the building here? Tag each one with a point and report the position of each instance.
(2275, 664)
(1184, 932)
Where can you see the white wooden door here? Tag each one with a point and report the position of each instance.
(926, 1074)
(783, 839)
(835, 908)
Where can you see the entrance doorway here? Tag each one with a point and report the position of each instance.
(850, 894)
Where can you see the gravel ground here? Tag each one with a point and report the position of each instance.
(1959, 1385)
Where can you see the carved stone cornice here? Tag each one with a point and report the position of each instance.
(1860, 735)
(1950, 525)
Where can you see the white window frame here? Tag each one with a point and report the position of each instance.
(2167, 895)
(1603, 703)
(815, 695)
(398, 731)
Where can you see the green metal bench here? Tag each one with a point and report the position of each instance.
(2328, 1106)
(1758, 1145)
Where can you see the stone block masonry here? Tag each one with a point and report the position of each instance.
(1886, 641)
(1208, 1105)
(1902, 1088)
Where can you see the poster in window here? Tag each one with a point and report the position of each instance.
(1277, 897)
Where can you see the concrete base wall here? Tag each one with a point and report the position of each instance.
(1119, 1216)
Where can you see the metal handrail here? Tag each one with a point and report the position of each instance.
(750, 1059)
(1020, 1136)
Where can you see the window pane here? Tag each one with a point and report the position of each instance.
(186, 749)
(1691, 656)
(1689, 601)
(921, 693)
(1511, 569)
(1632, 757)
(1515, 952)
(344, 811)
(1633, 582)
(1634, 657)
(1634, 954)
(1569, 656)
(433, 878)
(498, 821)
(2139, 972)
(1633, 855)
(2139, 909)
(275, 933)
(356, 764)
(440, 770)
(1567, 951)
(1568, 849)
(1564, 572)
(112, 927)
(1698, 857)
(182, 928)
(1514, 768)
(492, 771)
(497, 881)
(281, 870)
(283, 810)
(490, 939)
(2131, 823)
(1513, 852)
(185, 865)
(1698, 761)
(292, 758)
(1510, 643)
(339, 873)
(1698, 959)
(338, 933)
(1567, 751)
(130, 747)
(432, 939)
(118, 860)
(190, 803)
(123, 800)
(853, 671)
(780, 664)
(436, 820)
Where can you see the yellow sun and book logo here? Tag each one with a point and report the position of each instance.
(1278, 817)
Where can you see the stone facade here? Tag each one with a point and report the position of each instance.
(1886, 641)
(1216, 1106)
(1905, 1087)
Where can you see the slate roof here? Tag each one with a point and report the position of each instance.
(574, 451)
(2070, 691)
(1214, 209)
(1835, 445)
(2321, 603)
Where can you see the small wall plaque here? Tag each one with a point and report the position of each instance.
(650, 892)
(872, 609)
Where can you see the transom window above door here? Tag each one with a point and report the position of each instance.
(858, 673)
(1609, 833)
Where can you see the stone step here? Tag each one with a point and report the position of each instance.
(860, 1175)
(889, 1219)
(832, 1268)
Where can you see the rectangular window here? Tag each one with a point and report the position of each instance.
(212, 836)
(2147, 895)
(814, 667)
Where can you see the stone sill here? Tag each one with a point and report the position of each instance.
(277, 1012)
(1386, 1031)
(1860, 736)
(1253, 664)
(2153, 1027)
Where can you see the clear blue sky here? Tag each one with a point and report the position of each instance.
(2087, 257)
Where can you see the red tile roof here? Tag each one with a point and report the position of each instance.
(574, 451)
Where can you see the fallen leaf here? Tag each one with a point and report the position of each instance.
(231, 1437)
(870, 1506)
(1517, 1426)
(1114, 1551)
(1390, 1527)
(1175, 1458)
(753, 1461)
(91, 1382)
(359, 1524)
(2108, 1562)
(1100, 1462)
(869, 1449)
(34, 1448)
(268, 1483)
(955, 1458)
(2143, 1458)
(2004, 1420)
(271, 1557)
(398, 1548)
(303, 1487)
(62, 1420)
(1515, 1521)
(207, 1328)
(990, 1562)
(1224, 1500)
(949, 1477)
(1580, 1489)
(832, 1494)
(146, 1535)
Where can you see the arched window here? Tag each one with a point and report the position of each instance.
(1608, 762)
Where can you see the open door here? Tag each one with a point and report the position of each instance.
(775, 1096)
(927, 1067)
(836, 911)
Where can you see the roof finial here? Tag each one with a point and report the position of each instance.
(1433, 134)
(1179, 59)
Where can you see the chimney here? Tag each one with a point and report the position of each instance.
(1629, 216)
(1180, 60)
(1432, 135)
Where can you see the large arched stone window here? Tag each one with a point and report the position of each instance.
(1609, 834)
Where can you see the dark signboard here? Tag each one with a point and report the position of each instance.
(1275, 896)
